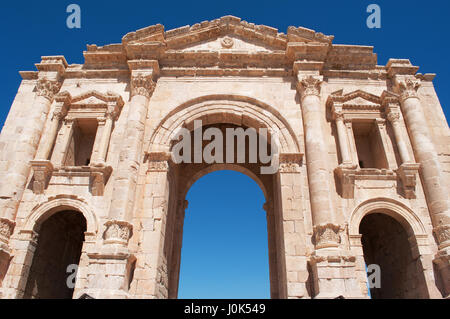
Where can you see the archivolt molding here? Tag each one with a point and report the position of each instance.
(233, 109)
(400, 212)
(59, 203)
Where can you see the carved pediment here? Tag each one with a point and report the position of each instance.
(229, 42)
(95, 99)
(211, 35)
(357, 104)
(91, 104)
(354, 99)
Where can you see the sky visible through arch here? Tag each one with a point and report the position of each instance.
(416, 30)
(225, 247)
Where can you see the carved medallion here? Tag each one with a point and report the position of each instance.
(227, 43)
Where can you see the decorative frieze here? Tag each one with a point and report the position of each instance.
(158, 166)
(290, 163)
(158, 161)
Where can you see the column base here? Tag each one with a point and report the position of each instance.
(334, 273)
(107, 276)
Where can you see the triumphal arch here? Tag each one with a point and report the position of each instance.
(88, 176)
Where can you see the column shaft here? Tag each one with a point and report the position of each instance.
(126, 175)
(433, 178)
(316, 160)
(44, 152)
(343, 140)
(104, 143)
(28, 142)
(403, 150)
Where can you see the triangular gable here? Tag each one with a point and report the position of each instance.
(210, 35)
(356, 98)
(95, 98)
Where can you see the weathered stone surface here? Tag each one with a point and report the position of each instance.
(356, 140)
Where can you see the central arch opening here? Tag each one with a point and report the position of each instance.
(195, 131)
(225, 243)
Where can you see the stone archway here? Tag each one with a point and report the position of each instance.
(169, 182)
(59, 246)
(192, 173)
(225, 224)
(44, 227)
(385, 243)
(388, 234)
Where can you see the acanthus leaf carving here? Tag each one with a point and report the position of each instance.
(142, 85)
(442, 234)
(327, 235)
(6, 229)
(47, 88)
(408, 87)
(118, 232)
(310, 85)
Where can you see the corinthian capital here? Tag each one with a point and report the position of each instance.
(309, 85)
(142, 84)
(407, 87)
(47, 88)
(6, 229)
(327, 235)
(118, 232)
(393, 117)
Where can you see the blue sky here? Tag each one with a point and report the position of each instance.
(225, 233)
(225, 248)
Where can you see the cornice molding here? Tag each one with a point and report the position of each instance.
(281, 51)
